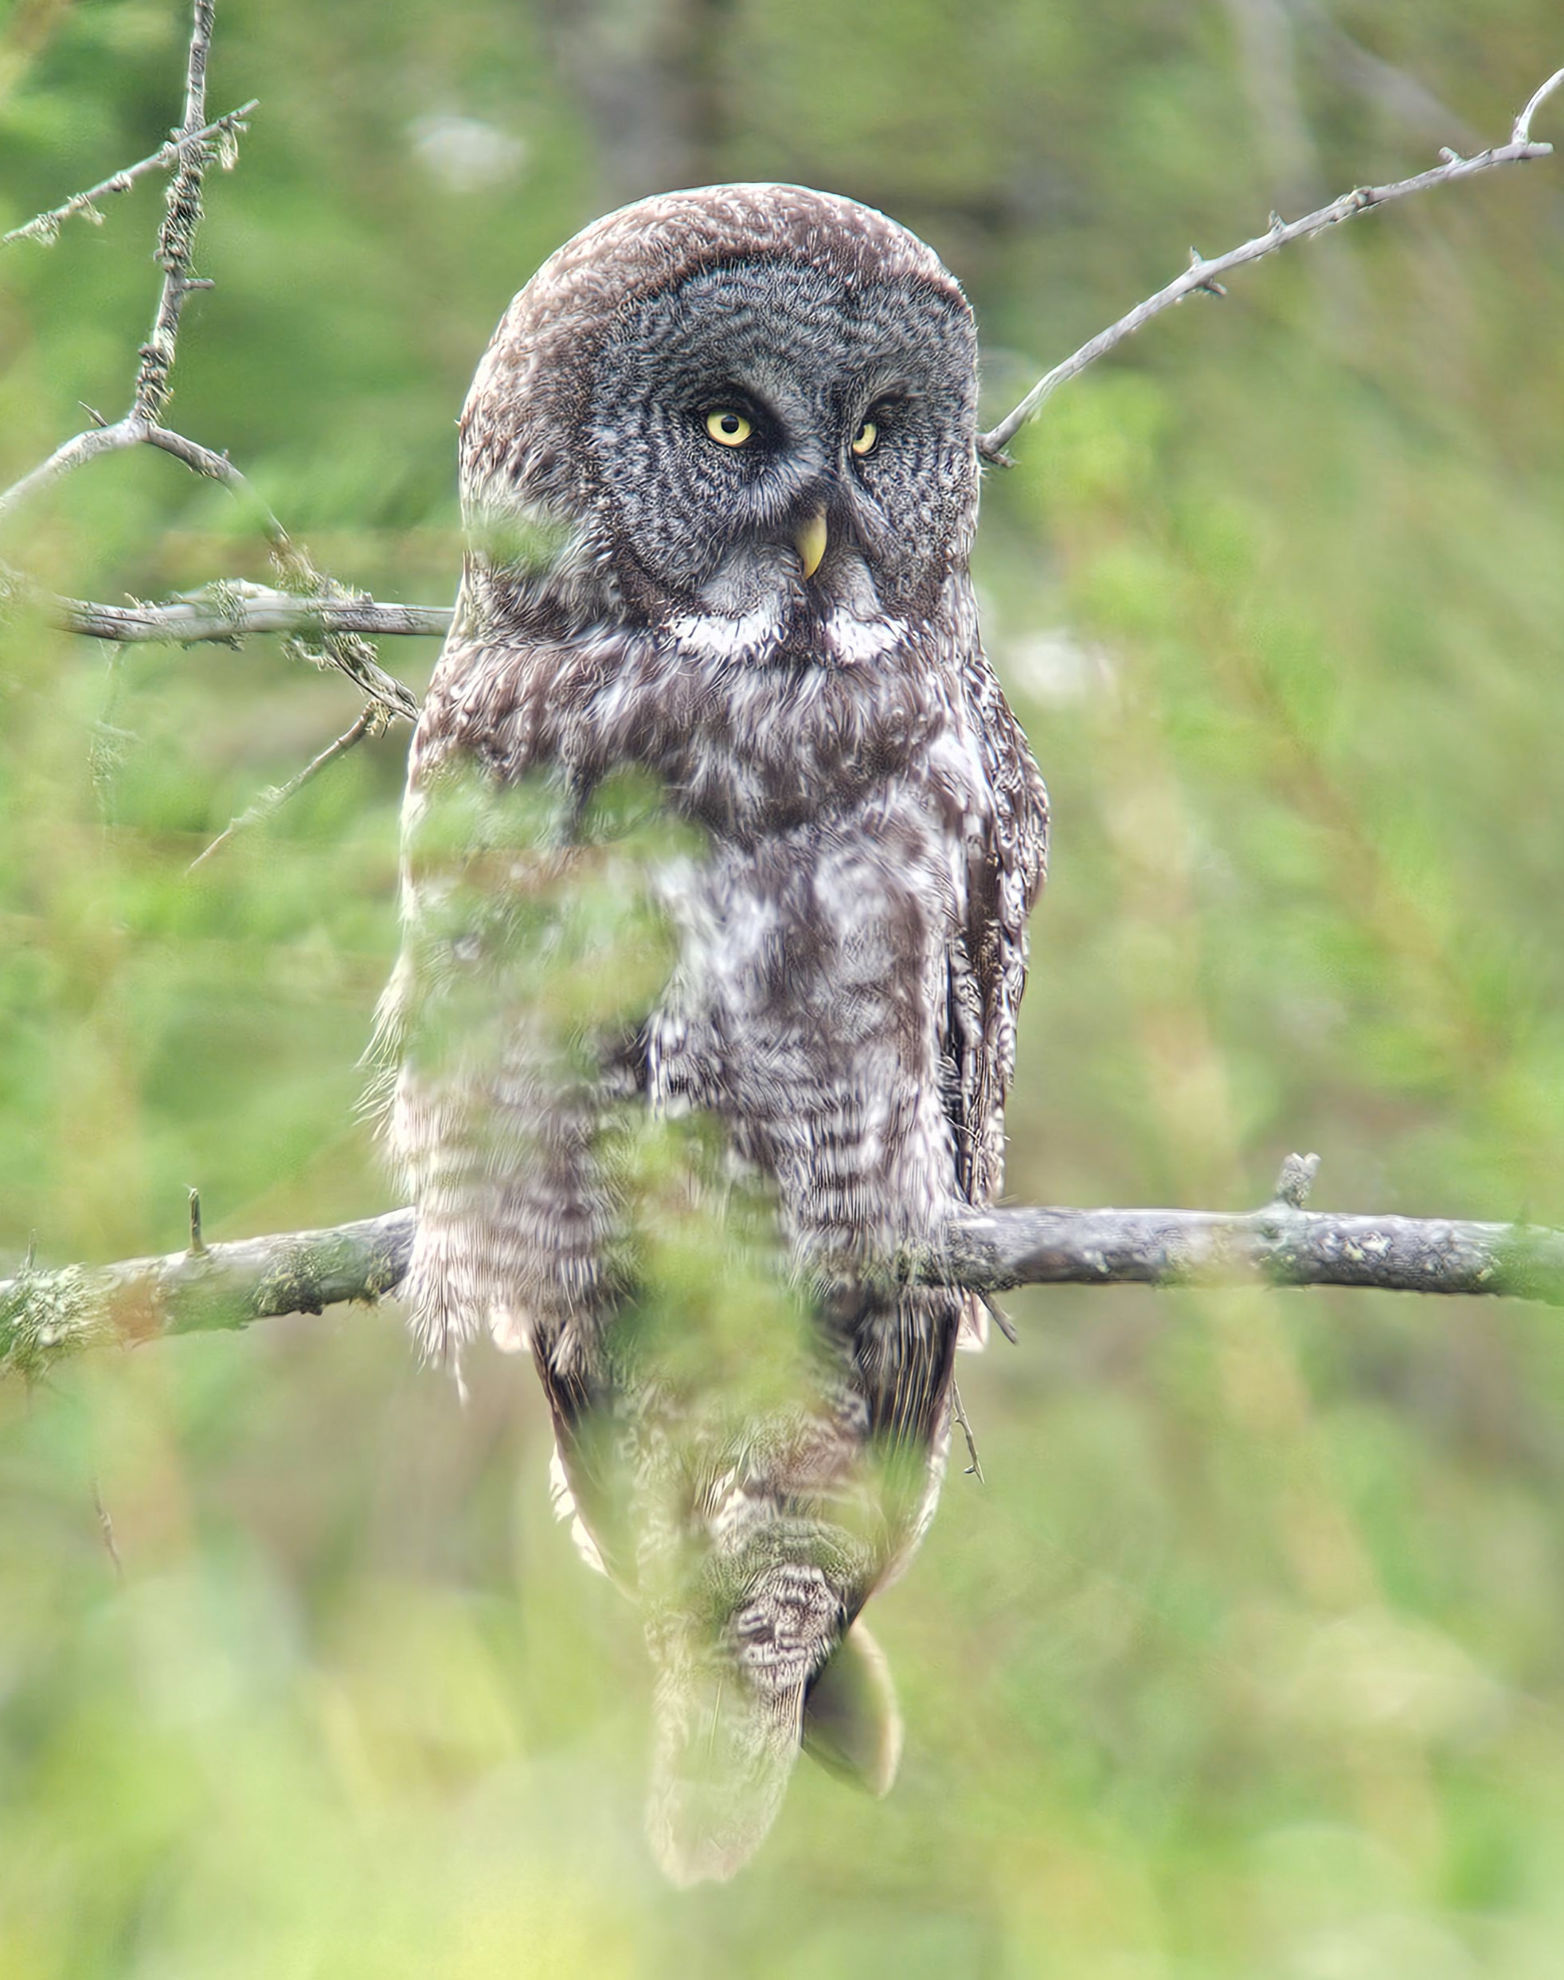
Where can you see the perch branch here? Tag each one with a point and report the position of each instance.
(47, 1315)
(45, 226)
(1203, 275)
(992, 1250)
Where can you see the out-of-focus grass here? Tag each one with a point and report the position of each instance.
(1246, 1658)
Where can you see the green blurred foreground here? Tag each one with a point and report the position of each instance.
(1249, 1657)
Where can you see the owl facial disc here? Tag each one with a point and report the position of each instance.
(785, 439)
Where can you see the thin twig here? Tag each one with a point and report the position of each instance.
(345, 651)
(1000, 1318)
(45, 226)
(315, 614)
(316, 623)
(142, 425)
(73, 453)
(1296, 1180)
(1202, 274)
(215, 466)
(136, 430)
(371, 723)
(1521, 133)
(975, 1468)
(176, 237)
(106, 1531)
(321, 624)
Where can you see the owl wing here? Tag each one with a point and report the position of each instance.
(510, 1029)
(486, 1115)
(1007, 856)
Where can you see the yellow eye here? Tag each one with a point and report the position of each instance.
(728, 428)
(864, 439)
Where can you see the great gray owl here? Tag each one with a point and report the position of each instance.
(719, 473)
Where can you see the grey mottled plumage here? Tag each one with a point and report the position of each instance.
(780, 632)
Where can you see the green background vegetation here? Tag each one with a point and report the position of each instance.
(1249, 1657)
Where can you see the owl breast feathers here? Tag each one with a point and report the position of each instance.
(720, 838)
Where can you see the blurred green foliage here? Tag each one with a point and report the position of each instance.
(1249, 1659)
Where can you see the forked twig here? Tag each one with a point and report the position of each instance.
(45, 227)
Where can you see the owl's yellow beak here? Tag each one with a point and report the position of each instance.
(809, 539)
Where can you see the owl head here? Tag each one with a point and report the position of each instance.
(738, 413)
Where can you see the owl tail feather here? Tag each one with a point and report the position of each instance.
(723, 1755)
(852, 1723)
(725, 1749)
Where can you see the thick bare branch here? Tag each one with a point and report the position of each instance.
(227, 611)
(995, 1249)
(232, 610)
(1203, 275)
(44, 227)
(47, 1315)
